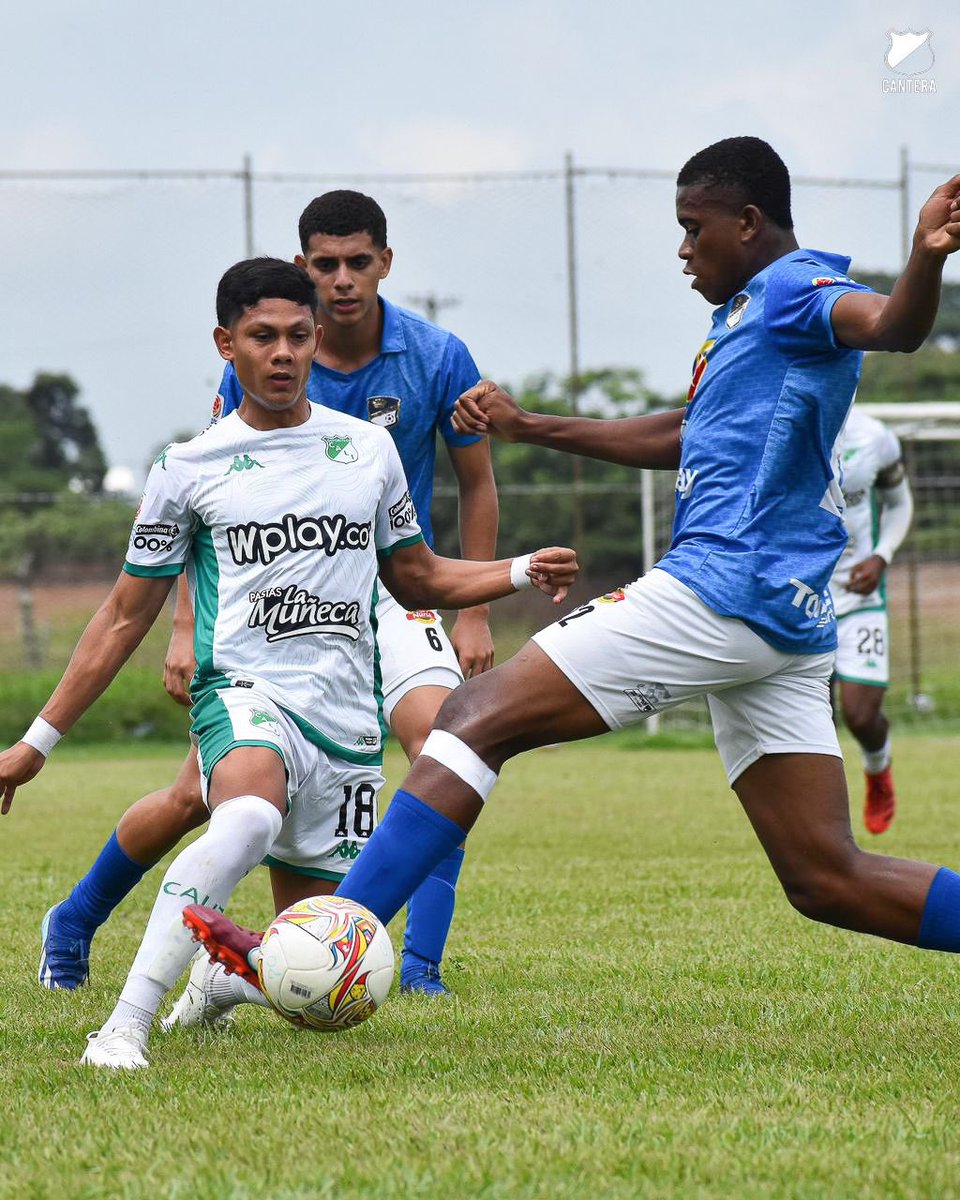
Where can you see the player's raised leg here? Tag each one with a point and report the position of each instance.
(798, 805)
(147, 831)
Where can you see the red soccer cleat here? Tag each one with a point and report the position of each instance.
(226, 942)
(881, 801)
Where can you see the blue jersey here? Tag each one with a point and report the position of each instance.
(410, 388)
(758, 526)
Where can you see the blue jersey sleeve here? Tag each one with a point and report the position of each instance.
(799, 300)
(229, 394)
(458, 372)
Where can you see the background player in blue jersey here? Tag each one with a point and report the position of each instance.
(391, 367)
(738, 609)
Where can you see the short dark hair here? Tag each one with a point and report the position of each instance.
(341, 213)
(246, 283)
(750, 166)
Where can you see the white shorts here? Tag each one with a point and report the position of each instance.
(331, 804)
(863, 654)
(414, 652)
(652, 645)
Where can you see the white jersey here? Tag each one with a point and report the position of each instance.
(279, 531)
(866, 448)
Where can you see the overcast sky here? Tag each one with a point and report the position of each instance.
(114, 282)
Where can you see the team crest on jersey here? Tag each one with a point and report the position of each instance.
(737, 309)
(341, 449)
(827, 280)
(258, 717)
(217, 408)
(423, 615)
(383, 410)
(613, 597)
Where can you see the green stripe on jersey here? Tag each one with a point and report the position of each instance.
(153, 572)
(206, 602)
(317, 738)
(385, 552)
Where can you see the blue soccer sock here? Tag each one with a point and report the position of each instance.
(93, 899)
(406, 846)
(430, 909)
(940, 927)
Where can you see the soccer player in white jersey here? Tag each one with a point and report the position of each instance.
(380, 363)
(877, 514)
(282, 515)
(738, 609)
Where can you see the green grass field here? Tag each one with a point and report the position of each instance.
(639, 1013)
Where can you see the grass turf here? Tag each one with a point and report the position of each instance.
(639, 1013)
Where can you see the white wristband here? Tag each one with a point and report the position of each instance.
(518, 571)
(42, 736)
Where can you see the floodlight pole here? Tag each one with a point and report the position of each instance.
(246, 177)
(573, 329)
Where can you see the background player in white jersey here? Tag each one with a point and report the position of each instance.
(738, 609)
(283, 566)
(382, 364)
(877, 513)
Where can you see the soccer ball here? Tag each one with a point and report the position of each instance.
(326, 962)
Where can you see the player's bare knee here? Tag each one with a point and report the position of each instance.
(186, 801)
(468, 715)
(829, 894)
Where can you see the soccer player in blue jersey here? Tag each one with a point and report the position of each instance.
(738, 609)
(391, 367)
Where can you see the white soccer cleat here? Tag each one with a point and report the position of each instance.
(121, 1049)
(195, 1006)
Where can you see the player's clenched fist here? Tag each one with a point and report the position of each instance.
(488, 409)
(553, 570)
(18, 765)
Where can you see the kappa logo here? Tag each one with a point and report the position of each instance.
(383, 410)
(909, 53)
(737, 308)
(341, 449)
(242, 462)
(161, 459)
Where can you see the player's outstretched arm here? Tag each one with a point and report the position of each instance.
(114, 632)
(418, 578)
(902, 320)
(651, 441)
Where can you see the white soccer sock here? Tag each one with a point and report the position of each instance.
(225, 990)
(875, 761)
(240, 833)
